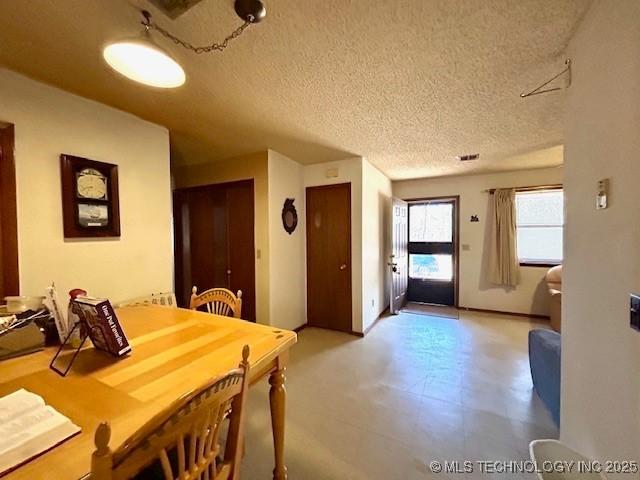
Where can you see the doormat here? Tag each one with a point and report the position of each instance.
(433, 310)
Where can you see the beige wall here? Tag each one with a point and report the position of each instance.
(376, 243)
(600, 353)
(49, 122)
(287, 272)
(253, 166)
(349, 171)
(530, 296)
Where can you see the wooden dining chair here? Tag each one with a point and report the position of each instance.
(182, 442)
(218, 300)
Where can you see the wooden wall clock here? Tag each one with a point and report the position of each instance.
(90, 206)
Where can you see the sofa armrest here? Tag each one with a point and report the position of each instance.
(544, 360)
(555, 308)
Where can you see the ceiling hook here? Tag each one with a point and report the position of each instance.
(147, 19)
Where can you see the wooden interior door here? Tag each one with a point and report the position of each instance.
(240, 241)
(399, 261)
(9, 282)
(214, 241)
(208, 238)
(329, 257)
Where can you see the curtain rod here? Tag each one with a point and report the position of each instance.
(556, 186)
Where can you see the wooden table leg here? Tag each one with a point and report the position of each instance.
(277, 398)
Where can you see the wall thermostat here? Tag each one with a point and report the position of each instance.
(331, 172)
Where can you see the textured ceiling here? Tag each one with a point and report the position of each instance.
(408, 84)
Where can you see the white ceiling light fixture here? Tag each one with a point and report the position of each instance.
(142, 60)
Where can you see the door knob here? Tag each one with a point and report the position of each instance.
(343, 266)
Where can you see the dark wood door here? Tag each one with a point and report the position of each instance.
(9, 284)
(329, 257)
(240, 242)
(214, 241)
(208, 238)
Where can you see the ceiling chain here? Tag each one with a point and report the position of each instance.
(149, 24)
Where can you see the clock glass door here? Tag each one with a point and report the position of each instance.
(91, 190)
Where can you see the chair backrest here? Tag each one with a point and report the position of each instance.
(182, 441)
(554, 278)
(162, 299)
(218, 300)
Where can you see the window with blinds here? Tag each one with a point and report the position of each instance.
(540, 224)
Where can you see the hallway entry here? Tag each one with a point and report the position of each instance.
(214, 241)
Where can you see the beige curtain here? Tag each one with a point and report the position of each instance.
(504, 268)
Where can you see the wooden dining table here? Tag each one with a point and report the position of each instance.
(173, 352)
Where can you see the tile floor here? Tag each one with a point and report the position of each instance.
(416, 389)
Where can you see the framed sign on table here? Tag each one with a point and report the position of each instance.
(90, 206)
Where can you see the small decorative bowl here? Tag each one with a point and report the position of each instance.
(22, 304)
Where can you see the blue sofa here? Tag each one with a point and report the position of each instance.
(544, 361)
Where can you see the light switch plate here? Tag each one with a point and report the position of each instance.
(603, 192)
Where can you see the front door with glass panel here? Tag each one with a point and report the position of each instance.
(433, 252)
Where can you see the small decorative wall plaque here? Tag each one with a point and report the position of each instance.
(289, 216)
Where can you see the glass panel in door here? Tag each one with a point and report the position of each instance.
(432, 252)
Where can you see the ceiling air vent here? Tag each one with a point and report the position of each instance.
(174, 8)
(466, 158)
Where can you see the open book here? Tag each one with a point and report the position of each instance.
(28, 428)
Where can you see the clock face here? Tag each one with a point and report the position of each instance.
(90, 183)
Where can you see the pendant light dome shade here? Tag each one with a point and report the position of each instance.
(141, 60)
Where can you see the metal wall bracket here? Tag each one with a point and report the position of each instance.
(538, 90)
